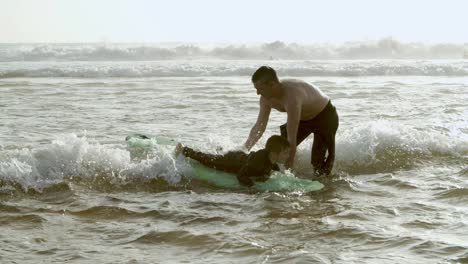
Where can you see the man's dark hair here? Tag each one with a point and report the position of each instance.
(264, 73)
(276, 144)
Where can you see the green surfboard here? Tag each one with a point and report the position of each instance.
(278, 182)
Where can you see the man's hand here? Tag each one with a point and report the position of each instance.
(178, 149)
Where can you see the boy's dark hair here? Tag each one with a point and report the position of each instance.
(264, 73)
(276, 144)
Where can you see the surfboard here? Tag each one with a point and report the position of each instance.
(278, 182)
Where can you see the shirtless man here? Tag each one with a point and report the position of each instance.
(308, 111)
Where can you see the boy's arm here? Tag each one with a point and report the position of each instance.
(253, 169)
(208, 160)
(244, 176)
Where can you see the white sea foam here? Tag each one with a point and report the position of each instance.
(72, 156)
(385, 146)
(374, 147)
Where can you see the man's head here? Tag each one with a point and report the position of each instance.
(277, 148)
(265, 80)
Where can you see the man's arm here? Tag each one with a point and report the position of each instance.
(293, 110)
(262, 120)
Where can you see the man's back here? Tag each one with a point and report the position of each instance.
(312, 98)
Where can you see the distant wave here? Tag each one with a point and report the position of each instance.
(200, 68)
(387, 48)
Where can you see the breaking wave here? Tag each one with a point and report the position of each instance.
(375, 147)
(383, 146)
(78, 159)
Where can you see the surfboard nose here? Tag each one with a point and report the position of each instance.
(140, 136)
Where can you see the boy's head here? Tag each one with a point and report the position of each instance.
(277, 148)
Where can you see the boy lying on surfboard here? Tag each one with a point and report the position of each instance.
(254, 166)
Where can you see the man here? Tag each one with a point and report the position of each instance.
(308, 111)
(255, 166)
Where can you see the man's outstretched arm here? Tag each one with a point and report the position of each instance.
(262, 120)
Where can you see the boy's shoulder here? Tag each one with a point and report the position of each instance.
(259, 154)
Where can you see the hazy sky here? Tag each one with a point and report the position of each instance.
(238, 21)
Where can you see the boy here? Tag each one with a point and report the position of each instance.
(257, 165)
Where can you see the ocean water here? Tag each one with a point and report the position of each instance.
(71, 191)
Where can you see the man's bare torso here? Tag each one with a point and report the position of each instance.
(313, 100)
